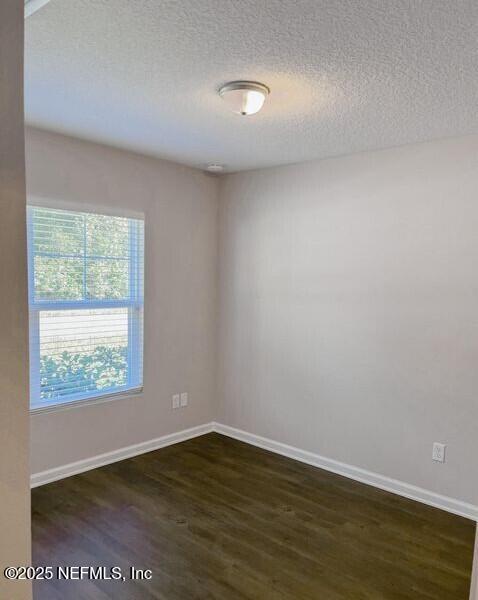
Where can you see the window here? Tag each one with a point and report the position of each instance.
(86, 305)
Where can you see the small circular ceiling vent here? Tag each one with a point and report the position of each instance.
(215, 168)
(244, 97)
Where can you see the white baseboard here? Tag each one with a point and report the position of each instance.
(100, 460)
(452, 505)
(412, 492)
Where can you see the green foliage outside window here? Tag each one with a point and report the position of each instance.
(104, 367)
(82, 257)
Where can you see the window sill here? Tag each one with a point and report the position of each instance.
(67, 404)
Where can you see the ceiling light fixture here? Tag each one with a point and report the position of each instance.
(244, 97)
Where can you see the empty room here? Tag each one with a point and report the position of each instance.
(239, 299)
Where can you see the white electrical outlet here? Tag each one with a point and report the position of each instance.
(439, 451)
(176, 401)
(184, 399)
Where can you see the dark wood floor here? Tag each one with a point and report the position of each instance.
(214, 518)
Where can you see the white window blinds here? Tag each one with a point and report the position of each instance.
(86, 304)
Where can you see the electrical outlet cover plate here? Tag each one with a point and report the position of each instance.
(176, 401)
(184, 399)
(439, 451)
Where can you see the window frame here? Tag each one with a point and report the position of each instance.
(134, 304)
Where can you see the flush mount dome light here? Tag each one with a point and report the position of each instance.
(244, 97)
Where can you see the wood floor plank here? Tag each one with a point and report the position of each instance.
(214, 518)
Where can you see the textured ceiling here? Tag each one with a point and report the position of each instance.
(345, 75)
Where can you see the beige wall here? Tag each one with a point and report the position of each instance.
(14, 467)
(180, 207)
(348, 310)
